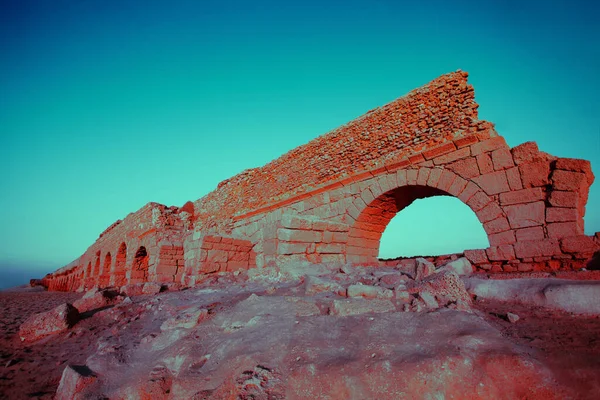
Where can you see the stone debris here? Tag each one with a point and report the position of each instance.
(424, 268)
(315, 285)
(151, 288)
(579, 297)
(131, 290)
(512, 318)
(185, 320)
(75, 379)
(58, 320)
(461, 266)
(349, 307)
(369, 292)
(429, 300)
(97, 298)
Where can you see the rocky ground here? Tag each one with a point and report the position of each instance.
(329, 333)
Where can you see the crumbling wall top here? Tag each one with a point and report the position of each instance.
(442, 110)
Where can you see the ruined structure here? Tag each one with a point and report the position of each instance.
(330, 200)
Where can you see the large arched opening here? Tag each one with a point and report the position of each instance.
(120, 265)
(378, 211)
(432, 226)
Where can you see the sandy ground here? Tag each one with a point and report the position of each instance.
(569, 344)
(33, 371)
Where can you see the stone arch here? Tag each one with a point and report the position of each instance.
(382, 197)
(96, 271)
(88, 272)
(107, 263)
(105, 273)
(432, 227)
(139, 270)
(120, 265)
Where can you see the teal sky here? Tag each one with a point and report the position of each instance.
(105, 106)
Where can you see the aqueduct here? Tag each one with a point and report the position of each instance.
(330, 200)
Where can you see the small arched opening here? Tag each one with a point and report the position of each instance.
(107, 264)
(97, 266)
(139, 271)
(105, 274)
(120, 265)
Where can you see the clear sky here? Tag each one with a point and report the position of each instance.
(107, 105)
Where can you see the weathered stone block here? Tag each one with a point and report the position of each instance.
(422, 176)
(57, 320)
(579, 244)
(461, 266)
(554, 214)
(453, 156)
(291, 248)
(537, 248)
(401, 177)
(514, 178)
(315, 285)
(469, 191)
(488, 145)
(457, 186)
(502, 159)
(476, 256)
(237, 265)
(493, 183)
(369, 292)
(501, 253)
(466, 141)
(466, 168)
(564, 229)
(446, 180)
(568, 180)
(563, 199)
(331, 248)
(534, 233)
(293, 235)
(498, 239)
(74, 380)
(350, 307)
(216, 256)
(411, 176)
(522, 196)
(484, 162)
(490, 212)
(439, 150)
(478, 201)
(295, 222)
(525, 215)
(575, 165)
(525, 152)
(535, 174)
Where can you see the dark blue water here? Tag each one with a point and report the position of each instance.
(14, 274)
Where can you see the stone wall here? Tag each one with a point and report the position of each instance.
(440, 112)
(331, 199)
(145, 246)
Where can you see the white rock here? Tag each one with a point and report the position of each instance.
(424, 268)
(462, 267)
(369, 292)
(429, 300)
